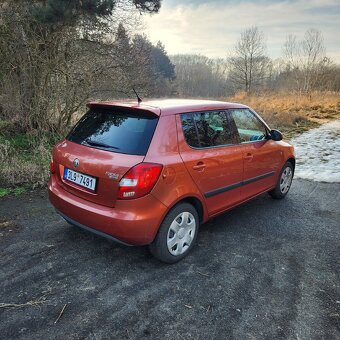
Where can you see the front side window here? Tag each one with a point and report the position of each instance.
(249, 127)
(207, 129)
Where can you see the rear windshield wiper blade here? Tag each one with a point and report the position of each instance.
(100, 144)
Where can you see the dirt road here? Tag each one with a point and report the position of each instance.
(266, 270)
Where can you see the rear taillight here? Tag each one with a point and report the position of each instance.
(52, 168)
(139, 181)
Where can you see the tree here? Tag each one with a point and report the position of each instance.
(53, 53)
(163, 71)
(199, 76)
(306, 60)
(157, 72)
(52, 12)
(132, 62)
(249, 66)
(161, 62)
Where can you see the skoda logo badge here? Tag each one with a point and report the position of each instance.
(76, 162)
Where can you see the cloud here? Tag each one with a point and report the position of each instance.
(212, 27)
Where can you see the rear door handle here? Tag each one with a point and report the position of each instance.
(248, 157)
(199, 166)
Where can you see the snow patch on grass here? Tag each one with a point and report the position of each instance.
(318, 153)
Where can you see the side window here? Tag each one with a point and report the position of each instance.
(248, 126)
(206, 129)
(190, 130)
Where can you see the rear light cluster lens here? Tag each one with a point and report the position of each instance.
(52, 168)
(139, 181)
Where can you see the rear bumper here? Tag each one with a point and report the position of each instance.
(91, 230)
(133, 222)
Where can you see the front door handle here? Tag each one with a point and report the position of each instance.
(199, 166)
(248, 157)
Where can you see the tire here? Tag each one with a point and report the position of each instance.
(284, 182)
(177, 234)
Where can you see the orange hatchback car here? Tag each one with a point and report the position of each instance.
(151, 173)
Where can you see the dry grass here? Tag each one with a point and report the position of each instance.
(293, 113)
(24, 161)
(36, 302)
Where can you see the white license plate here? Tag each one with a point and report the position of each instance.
(80, 179)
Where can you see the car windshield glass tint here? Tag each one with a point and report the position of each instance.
(116, 131)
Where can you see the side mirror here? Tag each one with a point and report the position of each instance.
(276, 135)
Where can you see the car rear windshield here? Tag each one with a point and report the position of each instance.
(115, 130)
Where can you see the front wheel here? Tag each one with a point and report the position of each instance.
(177, 234)
(284, 182)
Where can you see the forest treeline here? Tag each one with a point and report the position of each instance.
(56, 55)
(303, 68)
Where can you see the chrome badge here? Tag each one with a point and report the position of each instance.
(76, 162)
(112, 175)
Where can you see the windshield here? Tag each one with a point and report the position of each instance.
(115, 130)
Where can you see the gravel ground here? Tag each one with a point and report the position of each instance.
(265, 270)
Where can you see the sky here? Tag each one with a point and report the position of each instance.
(212, 27)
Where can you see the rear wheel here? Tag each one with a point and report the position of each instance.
(284, 182)
(177, 234)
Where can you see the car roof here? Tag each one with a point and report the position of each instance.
(166, 107)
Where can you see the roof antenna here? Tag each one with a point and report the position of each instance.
(138, 98)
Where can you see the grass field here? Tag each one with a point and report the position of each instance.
(293, 113)
(24, 158)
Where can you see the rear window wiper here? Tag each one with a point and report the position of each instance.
(100, 144)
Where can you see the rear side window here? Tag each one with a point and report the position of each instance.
(115, 130)
(207, 129)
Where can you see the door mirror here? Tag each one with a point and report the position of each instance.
(276, 135)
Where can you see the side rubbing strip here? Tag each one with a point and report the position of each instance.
(257, 178)
(237, 185)
(223, 189)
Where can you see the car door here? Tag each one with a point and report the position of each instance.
(212, 156)
(261, 155)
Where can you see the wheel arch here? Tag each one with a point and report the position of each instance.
(196, 202)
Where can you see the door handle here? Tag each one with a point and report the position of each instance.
(248, 157)
(199, 166)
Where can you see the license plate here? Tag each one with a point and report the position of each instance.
(80, 179)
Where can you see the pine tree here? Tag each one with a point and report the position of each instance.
(161, 62)
(70, 11)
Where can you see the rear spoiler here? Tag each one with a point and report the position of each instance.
(129, 107)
